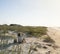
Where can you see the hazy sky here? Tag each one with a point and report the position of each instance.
(30, 12)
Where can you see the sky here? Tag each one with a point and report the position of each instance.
(30, 12)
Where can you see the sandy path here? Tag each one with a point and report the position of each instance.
(54, 33)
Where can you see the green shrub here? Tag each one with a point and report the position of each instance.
(48, 40)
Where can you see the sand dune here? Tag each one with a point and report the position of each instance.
(54, 33)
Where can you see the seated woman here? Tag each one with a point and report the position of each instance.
(21, 38)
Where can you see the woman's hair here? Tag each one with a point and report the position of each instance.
(18, 34)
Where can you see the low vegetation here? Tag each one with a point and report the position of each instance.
(48, 40)
(29, 30)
